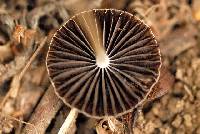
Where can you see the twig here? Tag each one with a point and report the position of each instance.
(67, 126)
(16, 81)
(44, 112)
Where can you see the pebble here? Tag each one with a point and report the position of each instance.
(187, 120)
(177, 121)
(150, 127)
(179, 106)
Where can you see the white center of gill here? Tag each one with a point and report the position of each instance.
(102, 60)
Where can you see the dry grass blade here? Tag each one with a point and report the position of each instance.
(20, 121)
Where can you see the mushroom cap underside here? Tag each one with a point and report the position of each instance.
(103, 62)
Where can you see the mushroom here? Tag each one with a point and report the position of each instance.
(102, 63)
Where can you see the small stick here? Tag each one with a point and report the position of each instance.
(67, 126)
(15, 89)
(44, 112)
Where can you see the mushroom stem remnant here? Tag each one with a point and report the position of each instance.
(67, 126)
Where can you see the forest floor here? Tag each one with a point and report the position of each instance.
(28, 25)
